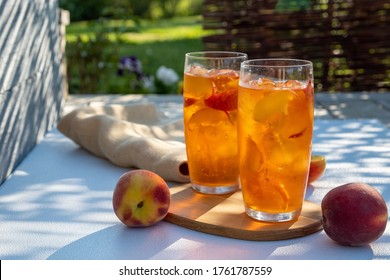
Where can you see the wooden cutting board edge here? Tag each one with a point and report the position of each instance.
(311, 224)
(243, 234)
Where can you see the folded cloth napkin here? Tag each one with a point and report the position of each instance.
(133, 136)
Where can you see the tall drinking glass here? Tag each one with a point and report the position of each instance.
(210, 92)
(275, 128)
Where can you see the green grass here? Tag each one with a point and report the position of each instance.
(154, 43)
(168, 53)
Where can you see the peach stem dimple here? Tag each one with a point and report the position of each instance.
(140, 204)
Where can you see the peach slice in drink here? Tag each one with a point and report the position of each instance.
(275, 103)
(207, 117)
(224, 91)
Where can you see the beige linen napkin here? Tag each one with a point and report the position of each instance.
(133, 136)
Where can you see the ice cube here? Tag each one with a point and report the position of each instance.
(225, 81)
(262, 84)
(223, 72)
(246, 78)
(212, 72)
(253, 83)
(265, 82)
(293, 84)
(197, 70)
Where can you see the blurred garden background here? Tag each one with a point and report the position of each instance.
(130, 46)
(138, 46)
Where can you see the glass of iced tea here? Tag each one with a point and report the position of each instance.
(275, 129)
(210, 92)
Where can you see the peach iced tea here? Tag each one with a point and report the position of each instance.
(275, 127)
(210, 92)
(210, 117)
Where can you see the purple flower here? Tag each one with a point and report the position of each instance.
(130, 64)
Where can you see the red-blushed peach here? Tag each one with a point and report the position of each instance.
(354, 214)
(317, 167)
(141, 198)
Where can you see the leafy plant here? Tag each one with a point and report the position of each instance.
(91, 57)
(95, 48)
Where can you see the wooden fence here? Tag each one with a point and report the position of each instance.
(347, 40)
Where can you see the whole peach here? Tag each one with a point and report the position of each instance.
(141, 198)
(354, 214)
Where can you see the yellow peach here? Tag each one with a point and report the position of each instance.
(141, 198)
(317, 167)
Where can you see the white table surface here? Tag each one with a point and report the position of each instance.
(58, 204)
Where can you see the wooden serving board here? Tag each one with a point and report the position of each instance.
(224, 215)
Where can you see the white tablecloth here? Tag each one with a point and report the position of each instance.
(58, 205)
